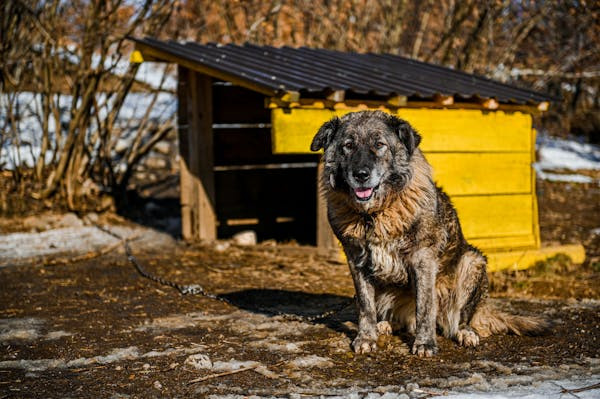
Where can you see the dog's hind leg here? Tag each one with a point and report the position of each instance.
(459, 299)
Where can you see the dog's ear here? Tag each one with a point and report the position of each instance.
(325, 135)
(408, 136)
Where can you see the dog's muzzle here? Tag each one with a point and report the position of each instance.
(361, 187)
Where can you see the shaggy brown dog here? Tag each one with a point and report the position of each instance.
(410, 262)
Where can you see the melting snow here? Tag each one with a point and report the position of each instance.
(116, 355)
(558, 154)
(27, 248)
(311, 361)
(27, 329)
(545, 390)
(561, 154)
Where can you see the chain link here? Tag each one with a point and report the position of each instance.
(197, 289)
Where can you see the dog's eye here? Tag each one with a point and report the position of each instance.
(348, 146)
(379, 145)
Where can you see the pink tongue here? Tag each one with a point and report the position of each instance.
(363, 192)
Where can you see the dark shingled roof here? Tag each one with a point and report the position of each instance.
(316, 72)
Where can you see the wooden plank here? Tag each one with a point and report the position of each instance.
(522, 259)
(196, 150)
(490, 103)
(459, 130)
(482, 173)
(185, 175)
(397, 101)
(443, 100)
(536, 214)
(326, 240)
(510, 243)
(443, 130)
(203, 149)
(293, 129)
(393, 105)
(496, 216)
(337, 96)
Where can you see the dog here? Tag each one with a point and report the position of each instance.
(411, 265)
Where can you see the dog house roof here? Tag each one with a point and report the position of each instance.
(319, 73)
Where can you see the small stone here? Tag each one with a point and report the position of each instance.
(222, 246)
(411, 386)
(157, 385)
(199, 361)
(245, 238)
(146, 366)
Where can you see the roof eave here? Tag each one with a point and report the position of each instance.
(152, 53)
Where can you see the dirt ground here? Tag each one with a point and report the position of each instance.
(90, 326)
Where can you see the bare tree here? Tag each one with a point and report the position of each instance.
(76, 51)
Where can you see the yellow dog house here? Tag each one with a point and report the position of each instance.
(477, 133)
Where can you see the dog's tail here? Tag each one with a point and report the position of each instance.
(487, 321)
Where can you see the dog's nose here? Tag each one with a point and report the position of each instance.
(362, 175)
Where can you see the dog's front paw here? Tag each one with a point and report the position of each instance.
(424, 349)
(466, 336)
(364, 344)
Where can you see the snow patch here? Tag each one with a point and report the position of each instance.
(564, 178)
(19, 335)
(116, 355)
(24, 147)
(280, 347)
(179, 321)
(562, 154)
(556, 153)
(52, 335)
(27, 329)
(26, 248)
(311, 361)
(553, 389)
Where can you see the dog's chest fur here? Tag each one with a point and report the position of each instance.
(388, 262)
(387, 246)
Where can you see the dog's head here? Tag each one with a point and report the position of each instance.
(366, 154)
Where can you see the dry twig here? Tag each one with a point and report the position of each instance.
(582, 389)
(226, 373)
(213, 376)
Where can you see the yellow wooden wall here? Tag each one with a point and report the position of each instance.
(483, 159)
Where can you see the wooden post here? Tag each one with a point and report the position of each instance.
(326, 240)
(196, 151)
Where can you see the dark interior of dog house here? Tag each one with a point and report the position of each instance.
(273, 195)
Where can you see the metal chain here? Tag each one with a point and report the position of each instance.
(197, 289)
